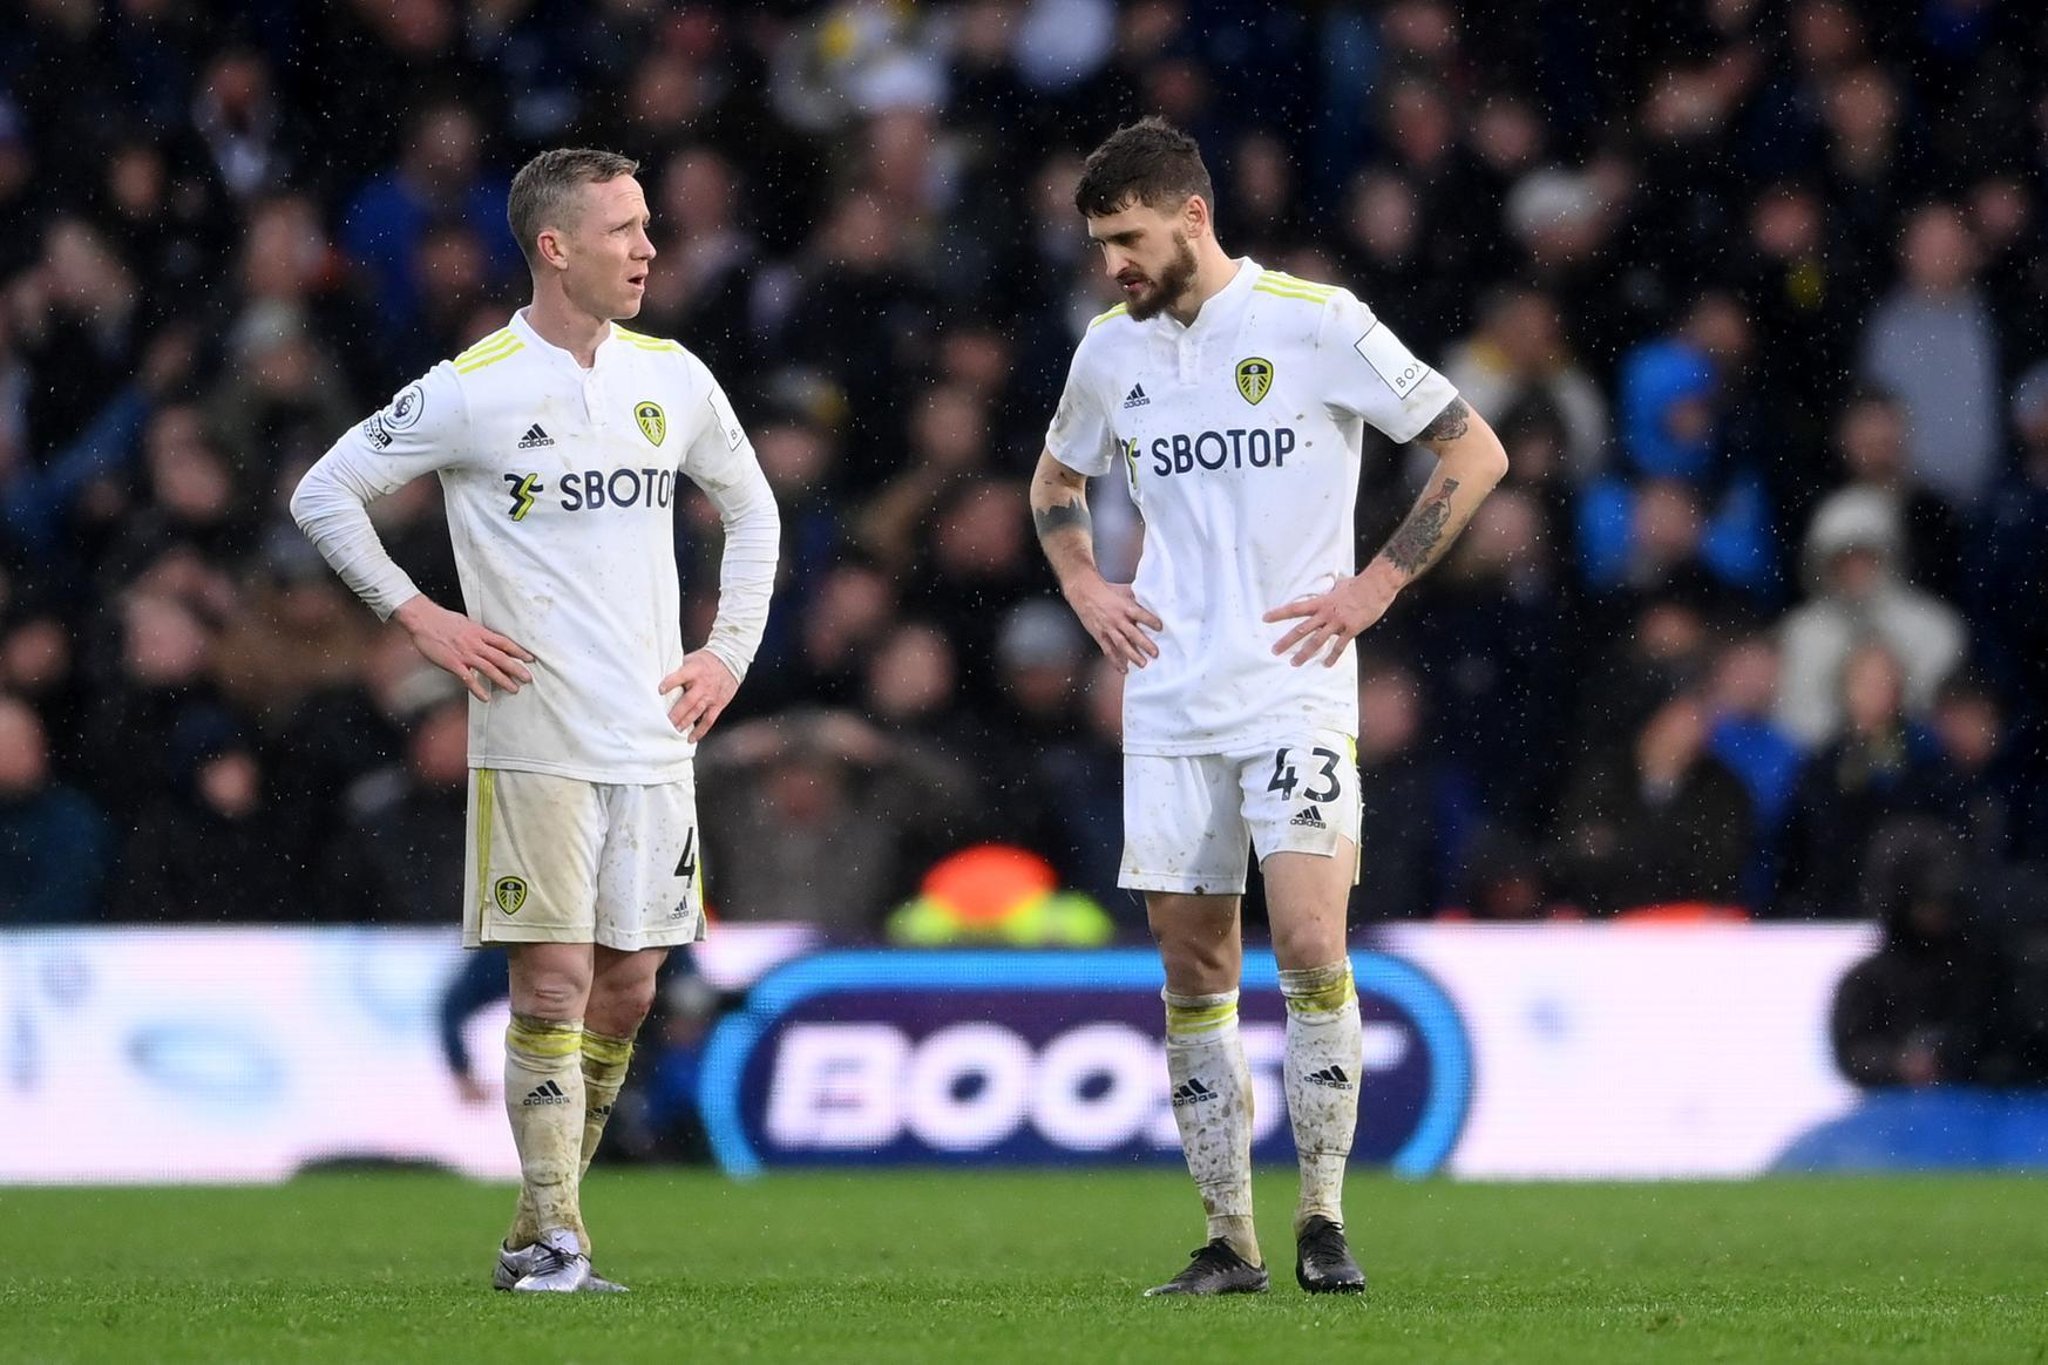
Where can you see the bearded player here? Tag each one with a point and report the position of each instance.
(1234, 399)
(560, 442)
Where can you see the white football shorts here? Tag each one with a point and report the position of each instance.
(1188, 819)
(556, 860)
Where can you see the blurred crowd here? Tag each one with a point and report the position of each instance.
(1753, 290)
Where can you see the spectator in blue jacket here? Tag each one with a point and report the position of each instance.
(53, 840)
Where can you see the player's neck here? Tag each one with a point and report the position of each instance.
(561, 323)
(1214, 270)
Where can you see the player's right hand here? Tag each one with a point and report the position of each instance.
(472, 652)
(1112, 614)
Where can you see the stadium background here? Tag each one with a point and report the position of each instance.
(1748, 650)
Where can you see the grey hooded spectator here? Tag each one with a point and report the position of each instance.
(1855, 591)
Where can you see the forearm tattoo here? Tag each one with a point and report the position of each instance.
(1449, 424)
(1420, 539)
(1059, 517)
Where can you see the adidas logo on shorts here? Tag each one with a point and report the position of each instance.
(1135, 398)
(1192, 1092)
(1309, 817)
(547, 1092)
(1332, 1076)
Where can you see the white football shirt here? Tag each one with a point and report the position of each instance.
(1240, 435)
(560, 484)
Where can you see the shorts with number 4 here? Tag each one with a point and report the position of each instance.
(556, 860)
(1188, 819)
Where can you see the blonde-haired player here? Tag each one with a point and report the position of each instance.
(1233, 399)
(560, 441)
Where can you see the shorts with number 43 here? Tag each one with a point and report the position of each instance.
(1188, 819)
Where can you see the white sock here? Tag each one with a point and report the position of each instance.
(1324, 1046)
(544, 1102)
(1212, 1106)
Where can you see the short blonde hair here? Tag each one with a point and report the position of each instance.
(542, 190)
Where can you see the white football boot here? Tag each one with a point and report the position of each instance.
(513, 1266)
(556, 1265)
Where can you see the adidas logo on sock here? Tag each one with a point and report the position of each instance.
(1332, 1076)
(1309, 817)
(1192, 1092)
(535, 437)
(1135, 398)
(547, 1092)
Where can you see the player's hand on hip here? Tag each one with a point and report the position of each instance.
(1118, 621)
(473, 652)
(1327, 622)
(707, 687)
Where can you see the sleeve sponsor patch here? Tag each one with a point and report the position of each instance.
(1393, 362)
(375, 434)
(728, 421)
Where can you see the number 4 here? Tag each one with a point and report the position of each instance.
(1284, 781)
(686, 866)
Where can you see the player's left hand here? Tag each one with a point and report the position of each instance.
(1331, 620)
(707, 686)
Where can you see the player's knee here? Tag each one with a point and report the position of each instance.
(1298, 947)
(1195, 963)
(618, 1007)
(552, 994)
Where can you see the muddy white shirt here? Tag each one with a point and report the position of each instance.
(1240, 435)
(560, 485)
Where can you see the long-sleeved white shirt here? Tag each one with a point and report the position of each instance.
(560, 485)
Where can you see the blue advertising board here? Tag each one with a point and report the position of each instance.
(965, 1057)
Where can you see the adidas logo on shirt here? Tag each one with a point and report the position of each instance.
(547, 1092)
(1332, 1076)
(1309, 817)
(1192, 1092)
(535, 438)
(1135, 398)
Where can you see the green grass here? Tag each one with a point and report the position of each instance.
(968, 1267)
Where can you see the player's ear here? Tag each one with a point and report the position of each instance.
(1194, 216)
(548, 247)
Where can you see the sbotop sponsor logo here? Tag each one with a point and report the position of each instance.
(1043, 1058)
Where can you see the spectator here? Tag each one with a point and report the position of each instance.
(1741, 693)
(853, 815)
(1919, 1011)
(1880, 766)
(439, 178)
(1932, 342)
(1871, 437)
(398, 858)
(1501, 881)
(1519, 356)
(1681, 498)
(1077, 795)
(1658, 822)
(53, 840)
(1854, 591)
(2008, 570)
(211, 848)
(1404, 795)
(2001, 814)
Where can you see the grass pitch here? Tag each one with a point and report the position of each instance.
(966, 1267)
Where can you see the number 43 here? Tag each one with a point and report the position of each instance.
(1284, 779)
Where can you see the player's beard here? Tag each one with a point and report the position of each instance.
(1175, 279)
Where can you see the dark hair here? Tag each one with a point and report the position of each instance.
(1149, 162)
(542, 188)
